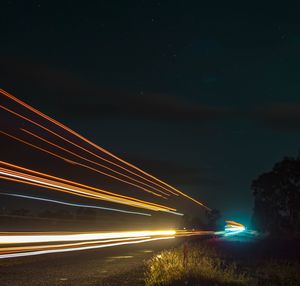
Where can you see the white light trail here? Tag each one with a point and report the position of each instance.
(40, 238)
(74, 205)
(13, 255)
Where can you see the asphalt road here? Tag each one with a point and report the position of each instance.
(121, 265)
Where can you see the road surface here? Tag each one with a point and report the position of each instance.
(122, 265)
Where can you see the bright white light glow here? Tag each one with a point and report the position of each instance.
(39, 238)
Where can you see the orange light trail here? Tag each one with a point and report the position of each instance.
(78, 146)
(81, 190)
(79, 164)
(79, 136)
(231, 222)
(96, 146)
(93, 162)
(70, 182)
(233, 227)
(72, 143)
(146, 176)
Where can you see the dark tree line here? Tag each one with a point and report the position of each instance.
(208, 221)
(277, 198)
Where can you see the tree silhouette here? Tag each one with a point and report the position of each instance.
(213, 216)
(277, 198)
(192, 222)
(207, 221)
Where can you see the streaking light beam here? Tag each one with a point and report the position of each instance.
(74, 205)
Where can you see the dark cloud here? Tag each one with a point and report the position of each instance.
(281, 116)
(77, 96)
(149, 106)
(26, 73)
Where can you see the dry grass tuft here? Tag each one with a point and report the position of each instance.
(202, 265)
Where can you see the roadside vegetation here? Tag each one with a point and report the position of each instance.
(277, 199)
(200, 264)
(203, 265)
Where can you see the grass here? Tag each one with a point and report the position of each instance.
(205, 266)
(202, 264)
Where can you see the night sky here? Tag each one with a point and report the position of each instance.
(201, 95)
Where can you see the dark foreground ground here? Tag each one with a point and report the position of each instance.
(247, 247)
(269, 261)
(107, 266)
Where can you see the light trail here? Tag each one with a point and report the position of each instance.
(180, 233)
(40, 238)
(74, 205)
(68, 192)
(14, 249)
(233, 223)
(72, 143)
(13, 245)
(65, 144)
(79, 191)
(233, 227)
(175, 213)
(93, 162)
(39, 185)
(22, 254)
(27, 244)
(79, 164)
(82, 195)
(55, 122)
(71, 182)
(75, 188)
